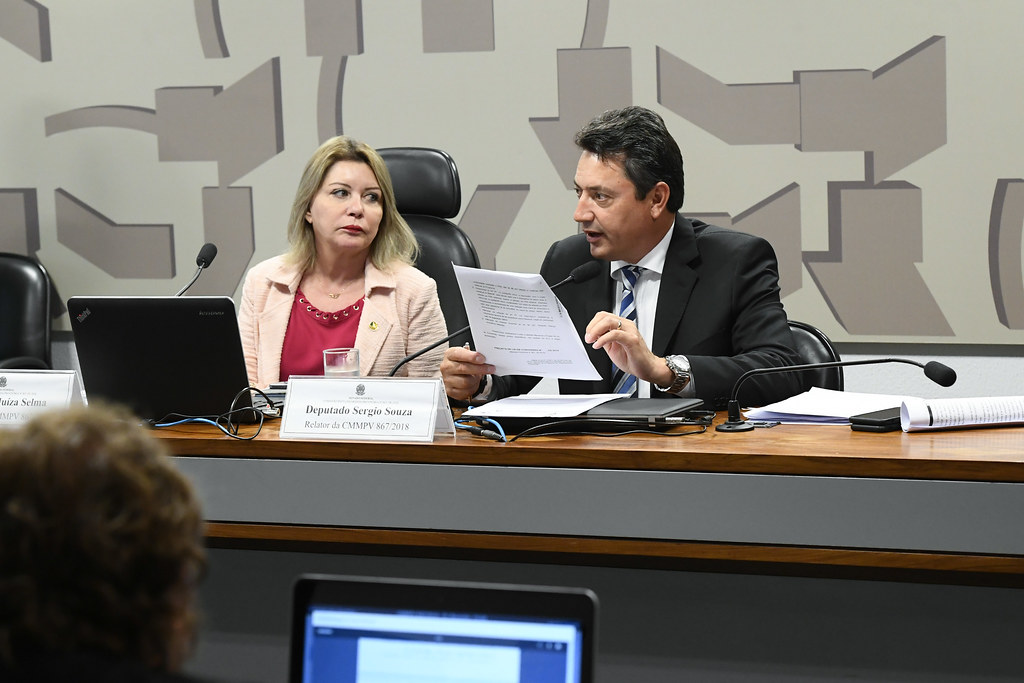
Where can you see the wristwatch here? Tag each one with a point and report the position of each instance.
(680, 366)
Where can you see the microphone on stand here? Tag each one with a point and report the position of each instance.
(206, 255)
(587, 271)
(935, 371)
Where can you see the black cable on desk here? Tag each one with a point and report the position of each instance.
(225, 422)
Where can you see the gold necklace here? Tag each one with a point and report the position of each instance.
(340, 291)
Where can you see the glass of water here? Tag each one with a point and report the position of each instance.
(343, 362)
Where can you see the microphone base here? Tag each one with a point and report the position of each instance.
(730, 426)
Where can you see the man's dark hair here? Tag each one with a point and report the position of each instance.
(638, 139)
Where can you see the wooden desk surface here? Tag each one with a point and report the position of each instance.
(940, 492)
(962, 455)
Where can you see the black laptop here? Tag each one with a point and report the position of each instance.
(160, 355)
(359, 629)
(617, 415)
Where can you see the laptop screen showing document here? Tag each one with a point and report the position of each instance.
(159, 355)
(367, 630)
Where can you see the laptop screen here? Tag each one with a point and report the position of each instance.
(160, 355)
(360, 630)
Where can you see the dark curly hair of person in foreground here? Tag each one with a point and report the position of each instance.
(101, 551)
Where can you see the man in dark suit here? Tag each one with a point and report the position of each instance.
(702, 308)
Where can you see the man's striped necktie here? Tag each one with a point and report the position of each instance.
(625, 383)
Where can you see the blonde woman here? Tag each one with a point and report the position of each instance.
(347, 280)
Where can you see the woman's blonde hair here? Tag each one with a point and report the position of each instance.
(394, 241)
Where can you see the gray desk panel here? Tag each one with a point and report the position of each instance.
(896, 514)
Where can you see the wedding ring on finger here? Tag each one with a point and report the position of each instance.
(618, 324)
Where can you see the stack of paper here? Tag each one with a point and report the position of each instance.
(920, 414)
(824, 406)
(534, 405)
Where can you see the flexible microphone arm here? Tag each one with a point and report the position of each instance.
(206, 255)
(933, 370)
(587, 271)
(414, 356)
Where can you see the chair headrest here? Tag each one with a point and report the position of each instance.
(426, 181)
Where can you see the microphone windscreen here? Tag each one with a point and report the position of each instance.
(587, 271)
(942, 375)
(206, 255)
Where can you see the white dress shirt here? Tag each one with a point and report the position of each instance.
(645, 296)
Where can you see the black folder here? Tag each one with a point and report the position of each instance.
(619, 414)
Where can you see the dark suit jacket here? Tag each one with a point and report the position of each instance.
(718, 305)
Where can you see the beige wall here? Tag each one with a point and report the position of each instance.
(876, 143)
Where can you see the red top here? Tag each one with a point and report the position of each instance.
(310, 331)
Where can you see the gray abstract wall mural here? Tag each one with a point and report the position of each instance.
(26, 25)
(1005, 245)
(894, 115)
(885, 172)
(190, 124)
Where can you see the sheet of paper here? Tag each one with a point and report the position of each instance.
(918, 414)
(520, 326)
(534, 405)
(823, 406)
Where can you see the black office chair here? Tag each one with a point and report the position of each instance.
(814, 346)
(428, 193)
(24, 313)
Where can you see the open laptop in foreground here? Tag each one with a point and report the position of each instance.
(159, 355)
(363, 630)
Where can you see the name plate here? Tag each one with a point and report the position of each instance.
(26, 393)
(365, 409)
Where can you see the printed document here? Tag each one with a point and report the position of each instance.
(918, 414)
(823, 406)
(521, 327)
(540, 405)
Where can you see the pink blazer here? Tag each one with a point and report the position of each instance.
(401, 315)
